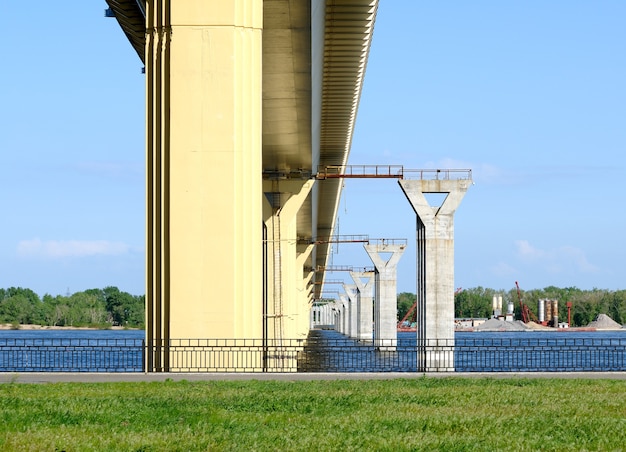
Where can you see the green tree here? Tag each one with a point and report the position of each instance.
(474, 302)
(405, 301)
(15, 309)
(19, 305)
(87, 309)
(55, 310)
(124, 308)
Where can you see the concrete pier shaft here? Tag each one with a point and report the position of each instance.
(364, 282)
(342, 309)
(352, 294)
(284, 285)
(385, 299)
(313, 317)
(330, 314)
(323, 315)
(203, 137)
(435, 270)
(304, 303)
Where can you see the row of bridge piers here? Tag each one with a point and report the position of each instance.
(367, 310)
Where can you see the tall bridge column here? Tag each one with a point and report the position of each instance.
(365, 305)
(341, 314)
(352, 294)
(320, 315)
(435, 270)
(303, 284)
(283, 200)
(313, 317)
(204, 123)
(386, 298)
(330, 314)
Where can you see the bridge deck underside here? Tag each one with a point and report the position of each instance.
(314, 54)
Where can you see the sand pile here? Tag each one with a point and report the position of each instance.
(604, 322)
(500, 325)
(535, 326)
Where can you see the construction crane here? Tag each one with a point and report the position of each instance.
(401, 325)
(409, 314)
(527, 314)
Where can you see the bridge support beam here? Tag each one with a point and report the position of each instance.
(341, 307)
(204, 124)
(303, 286)
(435, 270)
(286, 298)
(352, 294)
(365, 308)
(328, 314)
(386, 298)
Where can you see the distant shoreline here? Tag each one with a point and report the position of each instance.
(29, 327)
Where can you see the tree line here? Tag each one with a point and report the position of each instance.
(103, 308)
(586, 304)
(100, 308)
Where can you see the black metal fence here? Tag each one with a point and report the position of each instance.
(557, 354)
(71, 355)
(225, 355)
(316, 354)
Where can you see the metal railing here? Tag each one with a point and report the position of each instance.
(71, 355)
(541, 355)
(360, 172)
(315, 354)
(393, 242)
(438, 174)
(390, 172)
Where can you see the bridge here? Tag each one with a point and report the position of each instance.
(250, 112)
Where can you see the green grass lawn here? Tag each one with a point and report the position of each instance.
(406, 414)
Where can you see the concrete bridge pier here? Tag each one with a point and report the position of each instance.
(352, 294)
(204, 159)
(335, 316)
(329, 314)
(285, 302)
(313, 317)
(322, 316)
(364, 282)
(304, 298)
(341, 314)
(435, 270)
(345, 314)
(385, 300)
(284, 267)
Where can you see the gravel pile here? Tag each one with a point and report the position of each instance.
(536, 326)
(500, 325)
(604, 322)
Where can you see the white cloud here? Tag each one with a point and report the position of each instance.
(578, 257)
(504, 269)
(53, 249)
(555, 260)
(526, 251)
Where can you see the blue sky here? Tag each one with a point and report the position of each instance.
(529, 94)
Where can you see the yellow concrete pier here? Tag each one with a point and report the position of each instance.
(203, 67)
(245, 100)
